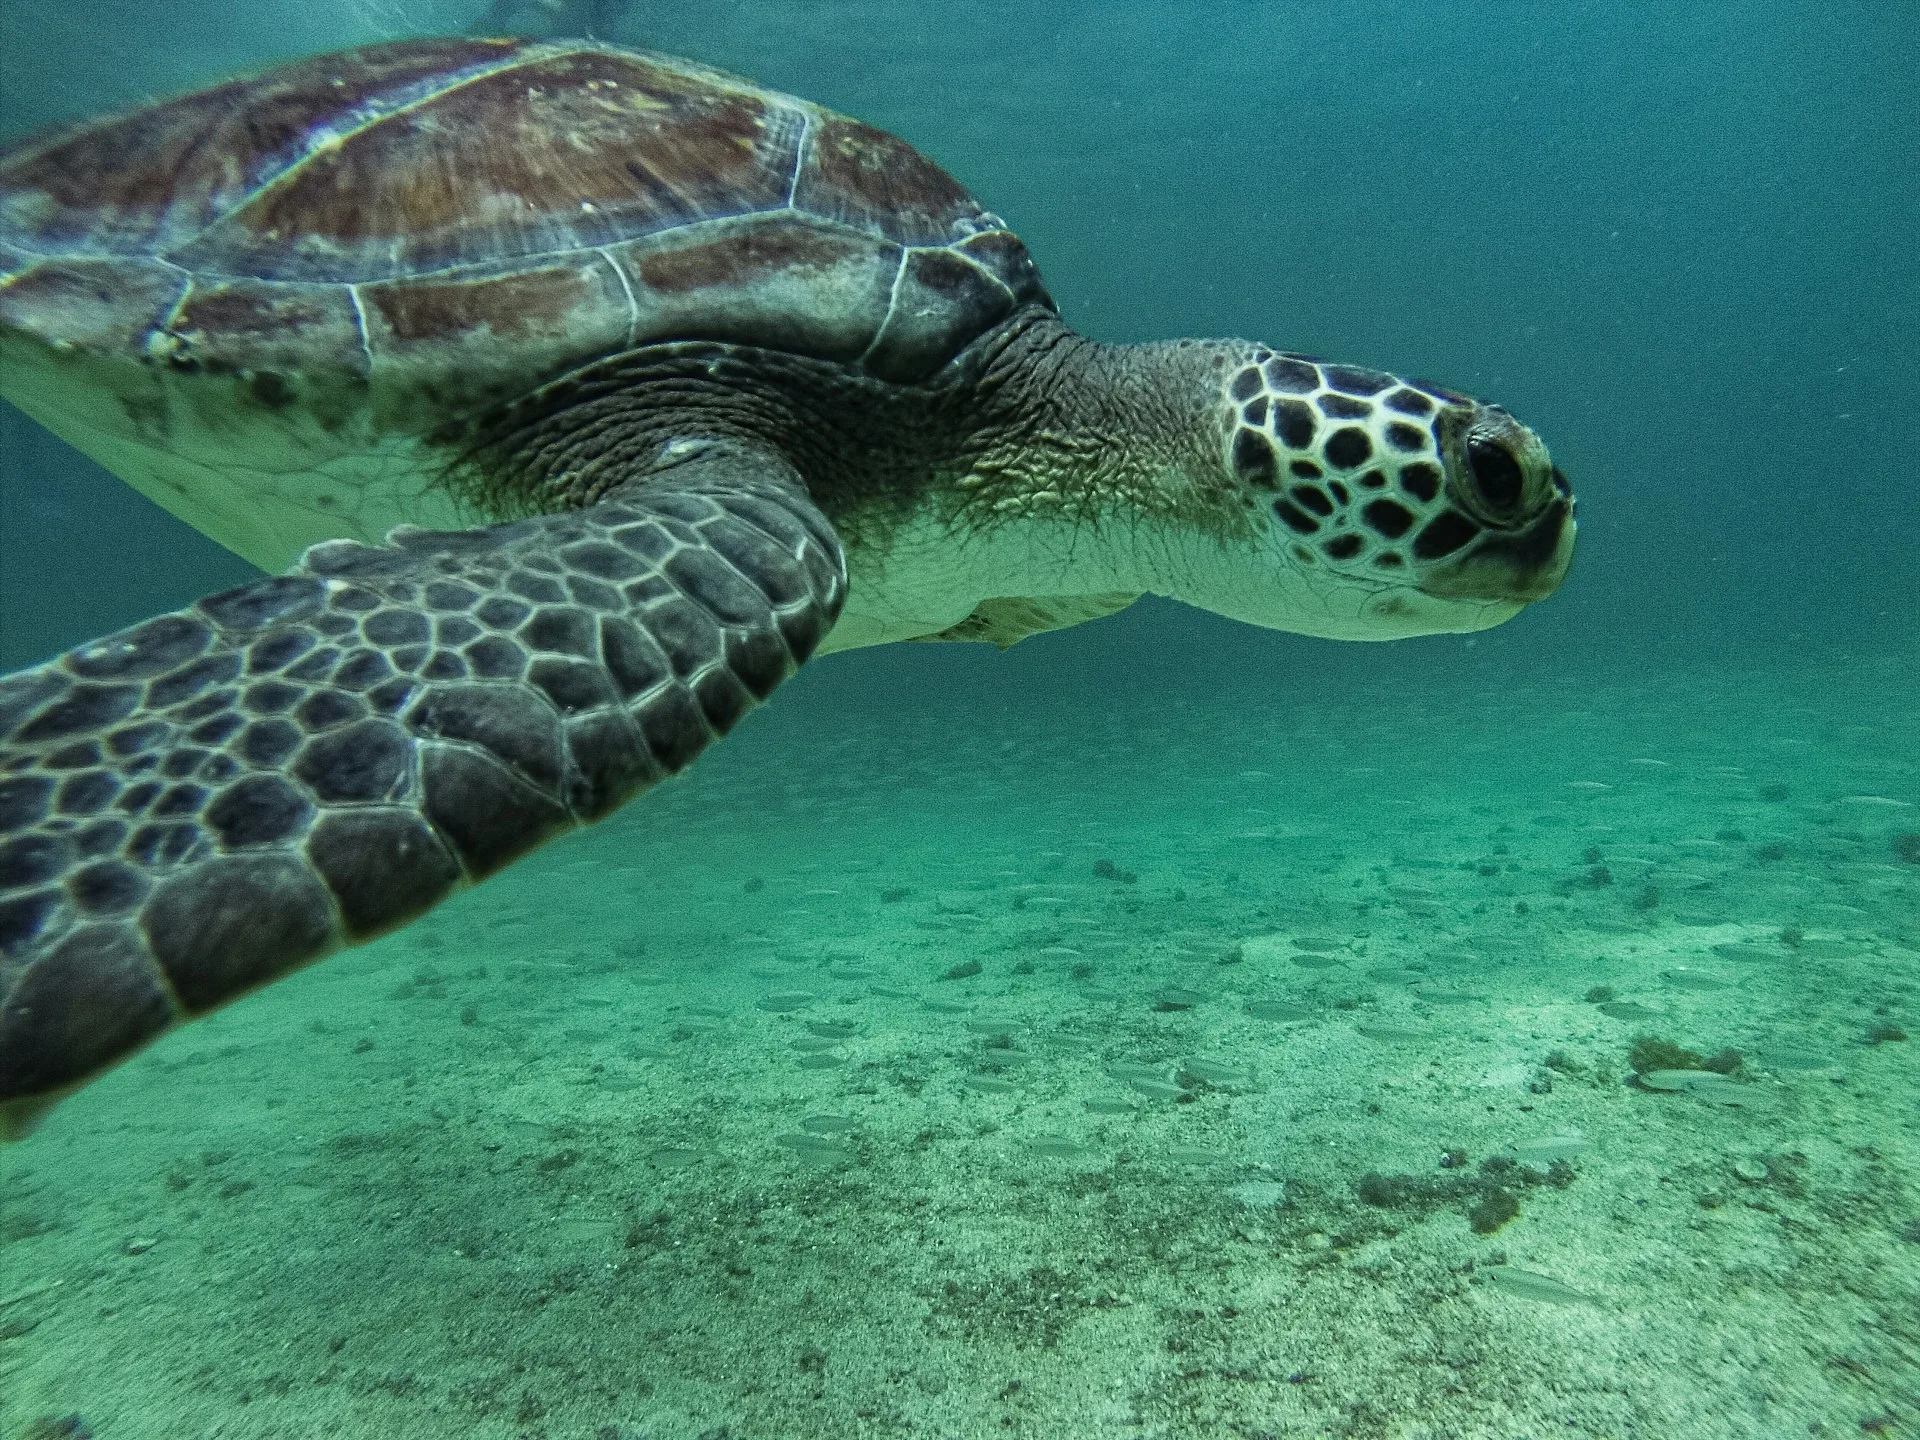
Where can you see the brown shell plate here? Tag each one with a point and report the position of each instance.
(437, 224)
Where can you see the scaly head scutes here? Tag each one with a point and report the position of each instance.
(1450, 511)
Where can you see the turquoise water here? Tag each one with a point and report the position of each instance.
(678, 1128)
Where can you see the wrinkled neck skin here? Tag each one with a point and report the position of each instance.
(1037, 463)
(1079, 469)
(1092, 429)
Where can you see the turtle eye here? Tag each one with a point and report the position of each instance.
(1496, 476)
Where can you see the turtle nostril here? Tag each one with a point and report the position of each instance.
(1497, 475)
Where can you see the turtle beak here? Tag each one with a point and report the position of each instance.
(1500, 474)
(1515, 566)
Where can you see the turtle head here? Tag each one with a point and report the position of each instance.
(1384, 507)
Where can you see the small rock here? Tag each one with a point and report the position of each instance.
(1259, 1194)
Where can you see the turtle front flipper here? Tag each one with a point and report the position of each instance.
(199, 804)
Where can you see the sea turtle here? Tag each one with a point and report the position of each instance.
(724, 378)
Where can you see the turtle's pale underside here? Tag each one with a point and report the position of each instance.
(721, 380)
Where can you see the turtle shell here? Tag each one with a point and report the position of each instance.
(389, 238)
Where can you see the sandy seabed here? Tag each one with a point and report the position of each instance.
(677, 1130)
